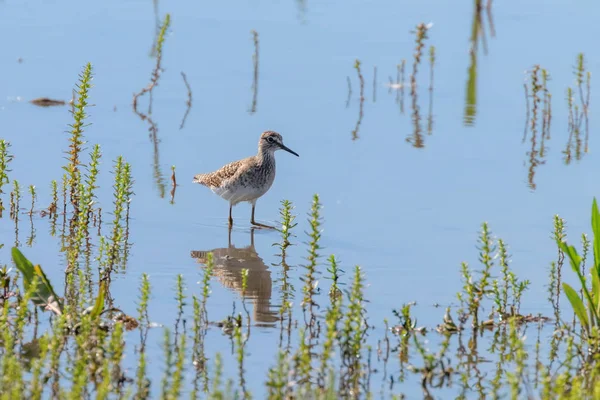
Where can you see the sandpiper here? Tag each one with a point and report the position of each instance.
(247, 179)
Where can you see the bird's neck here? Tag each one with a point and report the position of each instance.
(265, 156)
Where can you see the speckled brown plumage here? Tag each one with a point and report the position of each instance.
(247, 179)
(216, 179)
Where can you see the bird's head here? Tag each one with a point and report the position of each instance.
(272, 141)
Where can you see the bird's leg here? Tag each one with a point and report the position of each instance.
(230, 218)
(253, 222)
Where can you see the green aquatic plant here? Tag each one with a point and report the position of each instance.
(277, 381)
(142, 383)
(168, 361)
(122, 196)
(407, 324)
(83, 212)
(476, 290)
(310, 276)
(15, 200)
(76, 139)
(239, 344)
(5, 159)
(35, 280)
(33, 195)
(332, 318)
(53, 207)
(287, 224)
(87, 192)
(588, 308)
(353, 333)
(178, 374)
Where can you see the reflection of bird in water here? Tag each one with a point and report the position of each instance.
(228, 265)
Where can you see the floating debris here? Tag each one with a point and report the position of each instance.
(47, 102)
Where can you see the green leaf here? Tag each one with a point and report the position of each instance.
(47, 297)
(595, 289)
(574, 258)
(596, 292)
(575, 261)
(23, 265)
(43, 295)
(99, 305)
(577, 305)
(596, 231)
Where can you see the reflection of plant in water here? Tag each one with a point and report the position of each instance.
(173, 184)
(255, 74)
(361, 99)
(420, 35)
(540, 108)
(477, 33)
(349, 91)
(153, 128)
(156, 72)
(374, 83)
(188, 103)
(436, 371)
(398, 85)
(578, 113)
(431, 65)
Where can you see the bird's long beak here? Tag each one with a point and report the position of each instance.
(288, 150)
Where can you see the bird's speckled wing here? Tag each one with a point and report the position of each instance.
(220, 176)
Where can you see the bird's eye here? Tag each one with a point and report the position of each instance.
(270, 140)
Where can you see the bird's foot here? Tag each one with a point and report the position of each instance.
(259, 225)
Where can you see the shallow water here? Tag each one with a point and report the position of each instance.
(407, 215)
